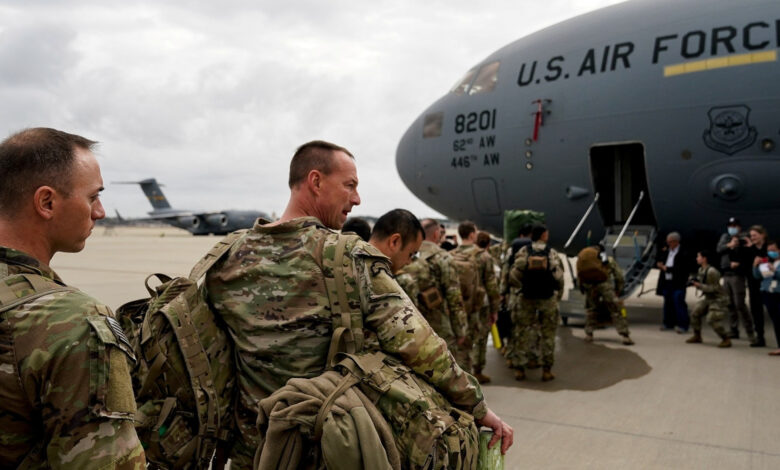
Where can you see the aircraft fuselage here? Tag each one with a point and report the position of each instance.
(679, 100)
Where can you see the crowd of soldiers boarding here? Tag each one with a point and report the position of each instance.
(67, 394)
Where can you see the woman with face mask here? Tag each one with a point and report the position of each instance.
(767, 271)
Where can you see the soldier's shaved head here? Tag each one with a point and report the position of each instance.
(33, 158)
(315, 155)
(431, 229)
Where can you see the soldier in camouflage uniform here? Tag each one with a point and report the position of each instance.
(606, 294)
(66, 397)
(431, 281)
(398, 235)
(511, 299)
(541, 290)
(270, 292)
(484, 309)
(714, 304)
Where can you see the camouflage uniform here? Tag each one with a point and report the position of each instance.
(530, 314)
(434, 268)
(66, 397)
(270, 291)
(479, 327)
(605, 294)
(714, 304)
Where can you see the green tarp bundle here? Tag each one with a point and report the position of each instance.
(516, 218)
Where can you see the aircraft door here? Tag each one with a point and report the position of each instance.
(619, 176)
(620, 179)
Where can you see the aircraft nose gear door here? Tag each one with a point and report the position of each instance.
(620, 179)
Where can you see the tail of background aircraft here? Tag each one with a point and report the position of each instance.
(153, 193)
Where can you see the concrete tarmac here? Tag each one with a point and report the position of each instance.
(660, 404)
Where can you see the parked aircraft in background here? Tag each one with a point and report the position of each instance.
(196, 222)
(661, 115)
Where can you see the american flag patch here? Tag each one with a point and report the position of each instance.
(116, 328)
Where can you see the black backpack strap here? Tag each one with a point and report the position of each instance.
(215, 254)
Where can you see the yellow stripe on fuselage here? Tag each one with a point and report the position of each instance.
(720, 62)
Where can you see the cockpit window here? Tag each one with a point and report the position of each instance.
(486, 79)
(462, 86)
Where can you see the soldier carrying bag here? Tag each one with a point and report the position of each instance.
(538, 280)
(591, 268)
(429, 433)
(185, 374)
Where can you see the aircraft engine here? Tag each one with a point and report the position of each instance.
(189, 221)
(220, 220)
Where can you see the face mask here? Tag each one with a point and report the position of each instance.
(773, 254)
(733, 231)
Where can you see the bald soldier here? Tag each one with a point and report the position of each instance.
(271, 293)
(66, 399)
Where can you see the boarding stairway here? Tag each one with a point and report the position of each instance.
(632, 246)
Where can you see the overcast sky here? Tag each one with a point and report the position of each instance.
(212, 98)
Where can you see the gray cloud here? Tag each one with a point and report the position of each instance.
(212, 98)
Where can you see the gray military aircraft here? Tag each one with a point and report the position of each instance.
(662, 115)
(196, 222)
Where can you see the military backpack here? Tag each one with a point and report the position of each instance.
(466, 265)
(428, 431)
(184, 378)
(430, 295)
(538, 280)
(591, 266)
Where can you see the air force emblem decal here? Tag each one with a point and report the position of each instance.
(729, 130)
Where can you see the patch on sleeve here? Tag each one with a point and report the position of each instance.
(381, 283)
(120, 398)
(110, 332)
(119, 334)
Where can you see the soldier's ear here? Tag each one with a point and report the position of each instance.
(314, 181)
(45, 200)
(395, 241)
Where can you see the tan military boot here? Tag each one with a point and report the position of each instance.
(696, 338)
(520, 374)
(725, 342)
(481, 378)
(547, 375)
(627, 340)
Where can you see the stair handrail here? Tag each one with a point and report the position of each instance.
(582, 221)
(628, 221)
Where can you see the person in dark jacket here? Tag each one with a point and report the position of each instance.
(735, 267)
(675, 265)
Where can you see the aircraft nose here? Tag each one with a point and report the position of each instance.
(406, 157)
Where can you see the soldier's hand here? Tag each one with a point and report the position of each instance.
(460, 341)
(501, 430)
(493, 318)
